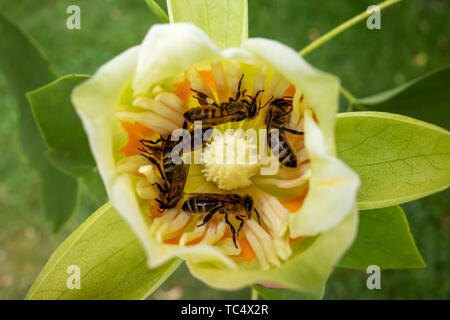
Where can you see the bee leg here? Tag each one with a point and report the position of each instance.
(201, 97)
(265, 104)
(144, 142)
(241, 224)
(233, 231)
(269, 125)
(210, 214)
(299, 133)
(156, 163)
(160, 187)
(238, 93)
(257, 94)
(257, 215)
(161, 205)
(282, 114)
(206, 219)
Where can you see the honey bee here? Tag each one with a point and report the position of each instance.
(215, 203)
(174, 175)
(277, 118)
(241, 107)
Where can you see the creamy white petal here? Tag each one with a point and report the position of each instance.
(332, 188)
(96, 102)
(169, 50)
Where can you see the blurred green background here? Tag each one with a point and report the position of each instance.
(412, 41)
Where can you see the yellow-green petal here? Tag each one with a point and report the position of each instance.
(225, 21)
(306, 270)
(169, 50)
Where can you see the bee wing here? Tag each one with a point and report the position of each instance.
(180, 177)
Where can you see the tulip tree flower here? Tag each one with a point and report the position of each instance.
(308, 214)
(299, 220)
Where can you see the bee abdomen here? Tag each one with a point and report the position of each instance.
(202, 113)
(198, 206)
(283, 150)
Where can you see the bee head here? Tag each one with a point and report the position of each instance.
(252, 110)
(248, 204)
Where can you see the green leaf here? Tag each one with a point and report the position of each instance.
(225, 21)
(61, 196)
(61, 127)
(64, 135)
(94, 185)
(383, 239)
(398, 159)
(157, 11)
(111, 260)
(288, 294)
(26, 68)
(425, 98)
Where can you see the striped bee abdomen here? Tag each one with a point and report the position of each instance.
(214, 115)
(194, 205)
(203, 113)
(282, 149)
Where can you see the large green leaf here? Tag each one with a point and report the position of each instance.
(398, 159)
(383, 239)
(111, 260)
(288, 294)
(425, 98)
(62, 130)
(94, 185)
(26, 69)
(61, 127)
(225, 21)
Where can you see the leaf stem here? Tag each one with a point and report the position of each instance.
(341, 28)
(254, 294)
(157, 11)
(351, 98)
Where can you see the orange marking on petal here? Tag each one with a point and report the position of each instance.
(136, 132)
(297, 139)
(304, 162)
(154, 211)
(176, 238)
(290, 92)
(247, 252)
(208, 77)
(183, 90)
(295, 204)
(315, 118)
(196, 241)
(293, 240)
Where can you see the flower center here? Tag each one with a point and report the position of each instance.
(230, 160)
